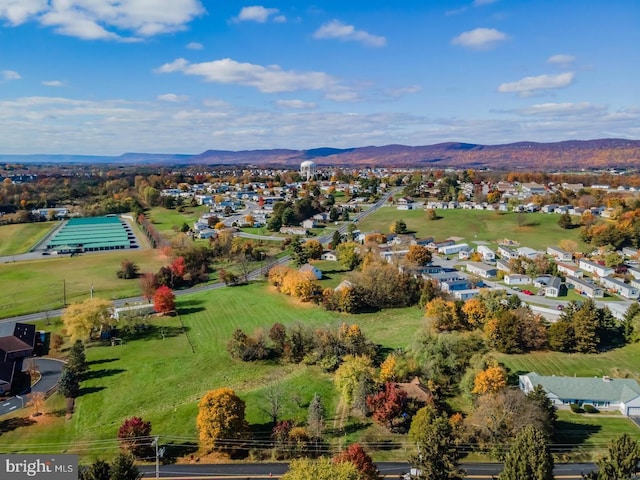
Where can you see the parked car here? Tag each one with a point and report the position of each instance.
(560, 307)
(527, 292)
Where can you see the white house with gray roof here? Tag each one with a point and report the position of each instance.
(619, 287)
(595, 268)
(604, 393)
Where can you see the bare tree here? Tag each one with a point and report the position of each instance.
(274, 401)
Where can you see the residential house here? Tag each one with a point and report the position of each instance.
(533, 188)
(503, 265)
(619, 287)
(455, 285)
(329, 255)
(630, 252)
(570, 269)
(447, 276)
(14, 349)
(595, 268)
(507, 253)
(584, 287)
(604, 393)
(481, 269)
(439, 245)
(466, 294)
(554, 287)
(307, 267)
(309, 223)
(293, 230)
(516, 279)
(452, 249)
(560, 254)
(527, 252)
(488, 255)
(343, 284)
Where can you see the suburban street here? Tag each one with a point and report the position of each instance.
(276, 470)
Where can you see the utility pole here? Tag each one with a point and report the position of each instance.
(64, 292)
(91, 291)
(155, 443)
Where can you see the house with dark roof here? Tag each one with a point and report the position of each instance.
(315, 271)
(13, 350)
(604, 393)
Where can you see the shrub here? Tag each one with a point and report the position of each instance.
(575, 408)
(590, 408)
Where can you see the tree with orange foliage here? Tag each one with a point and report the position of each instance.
(418, 255)
(387, 368)
(356, 455)
(490, 380)
(164, 300)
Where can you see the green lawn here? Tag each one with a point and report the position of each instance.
(591, 432)
(620, 362)
(162, 379)
(169, 221)
(38, 285)
(535, 230)
(21, 237)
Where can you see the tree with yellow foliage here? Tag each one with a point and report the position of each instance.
(490, 380)
(475, 310)
(387, 369)
(221, 418)
(82, 319)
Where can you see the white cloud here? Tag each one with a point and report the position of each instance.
(114, 126)
(529, 85)
(267, 79)
(480, 38)
(8, 75)
(259, 14)
(337, 29)
(52, 83)
(195, 46)
(172, 97)
(561, 59)
(295, 104)
(104, 20)
(561, 109)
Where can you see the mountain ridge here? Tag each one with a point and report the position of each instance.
(575, 154)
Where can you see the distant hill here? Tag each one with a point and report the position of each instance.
(572, 154)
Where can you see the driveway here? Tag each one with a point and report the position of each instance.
(50, 371)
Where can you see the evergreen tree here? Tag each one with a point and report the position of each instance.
(77, 360)
(529, 457)
(336, 239)
(298, 253)
(69, 384)
(620, 461)
(565, 221)
(539, 397)
(437, 456)
(98, 470)
(123, 468)
(316, 417)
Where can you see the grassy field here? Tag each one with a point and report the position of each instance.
(38, 285)
(168, 222)
(21, 237)
(161, 379)
(535, 230)
(620, 362)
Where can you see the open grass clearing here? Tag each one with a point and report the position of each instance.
(169, 221)
(160, 378)
(22, 237)
(39, 285)
(535, 230)
(619, 362)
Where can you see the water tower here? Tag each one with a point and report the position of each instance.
(308, 170)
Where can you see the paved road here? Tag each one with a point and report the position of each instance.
(50, 371)
(275, 470)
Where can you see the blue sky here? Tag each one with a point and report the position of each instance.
(181, 76)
